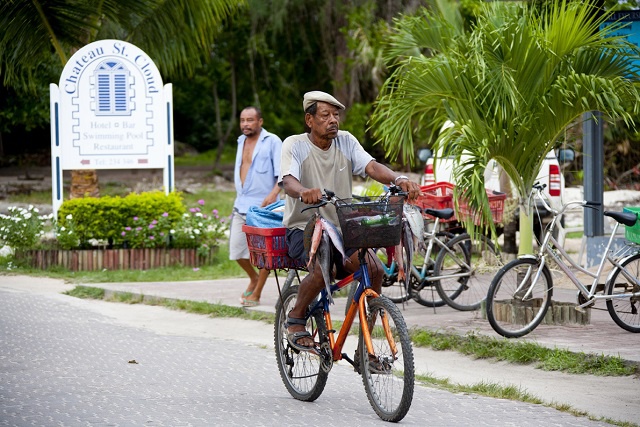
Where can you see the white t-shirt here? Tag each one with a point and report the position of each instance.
(332, 169)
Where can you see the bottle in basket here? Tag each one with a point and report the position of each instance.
(376, 220)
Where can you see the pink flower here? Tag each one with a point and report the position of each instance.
(192, 210)
(162, 233)
(135, 218)
(166, 214)
(151, 237)
(138, 228)
(201, 202)
(154, 222)
(151, 226)
(215, 212)
(196, 269)
(128, 228)
(123, 233)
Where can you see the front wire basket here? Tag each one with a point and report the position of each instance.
(370, 222)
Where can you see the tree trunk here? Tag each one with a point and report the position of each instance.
(526, 229)
(222, 139)
(84, 183)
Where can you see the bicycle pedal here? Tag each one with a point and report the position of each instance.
(581, 308)
(348, 359)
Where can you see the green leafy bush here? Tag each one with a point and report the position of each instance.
(104, 218)
(194, 229)
(146, 220)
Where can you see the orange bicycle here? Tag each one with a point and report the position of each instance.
(385, 356)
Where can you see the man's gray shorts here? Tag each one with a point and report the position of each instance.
(238, 248)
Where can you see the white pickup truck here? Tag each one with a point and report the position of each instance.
(440, 169)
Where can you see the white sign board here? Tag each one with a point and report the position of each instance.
(110, 111)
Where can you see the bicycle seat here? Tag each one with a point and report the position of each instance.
(439, 213)
(626, 218)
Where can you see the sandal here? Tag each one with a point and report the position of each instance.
(244, 296)
(294, 337)
(250, 302)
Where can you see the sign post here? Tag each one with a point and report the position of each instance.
(110, 111)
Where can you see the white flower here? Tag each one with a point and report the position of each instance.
(27, 215)
(62, 228)
(172, 231)
(30, 207)
(196, 231)
(69, 216)
(36, 210)
(198, 213)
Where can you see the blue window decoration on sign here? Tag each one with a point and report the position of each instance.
(111, 89)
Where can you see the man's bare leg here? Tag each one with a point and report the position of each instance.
(253, 276)
(256, 292)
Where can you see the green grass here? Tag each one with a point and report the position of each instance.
(196, 307)
(511, 392)
(525, 353)
(221, 268)
(208, 158)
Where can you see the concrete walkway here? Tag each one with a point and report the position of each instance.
(611, 397)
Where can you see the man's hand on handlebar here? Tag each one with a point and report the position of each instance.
(411, 188)
(310, 196)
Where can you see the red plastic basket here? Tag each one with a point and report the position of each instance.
(268, 248)
(436, 196)
(496, 204)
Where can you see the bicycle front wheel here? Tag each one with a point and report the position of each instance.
(388, 375)
(301, 371)
(422, 290)
(515, 305)
(625, 311)
(465, 270)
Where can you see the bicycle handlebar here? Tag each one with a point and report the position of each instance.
(538, 191)
(330, 197)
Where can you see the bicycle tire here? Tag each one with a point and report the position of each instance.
(625, 311)
(291, 280)
(391, 288)
(506, 311)
(390, 386)
(301, 371)
(422, 291)
(466, 293)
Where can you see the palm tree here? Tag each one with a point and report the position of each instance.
(510, 86)
(177, 34)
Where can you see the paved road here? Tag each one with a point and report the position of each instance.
(66, 362)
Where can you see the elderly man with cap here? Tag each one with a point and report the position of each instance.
(324, 157)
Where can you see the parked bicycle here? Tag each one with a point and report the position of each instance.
(385, 355)
(452, 270)
(521, 292)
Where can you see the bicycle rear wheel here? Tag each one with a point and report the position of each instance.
(466, 270)
(388, 375)
(625, 311)
(424, 291)
(301, 371)
(510, 312)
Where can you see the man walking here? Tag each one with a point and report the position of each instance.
(255, 176)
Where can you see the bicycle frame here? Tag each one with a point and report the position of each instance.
(550, 245)
(357, 306)
(422, 274)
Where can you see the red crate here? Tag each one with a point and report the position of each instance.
(268, 248)
(496, 204)
(436, 196)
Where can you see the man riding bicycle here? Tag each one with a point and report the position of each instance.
(324, 157)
